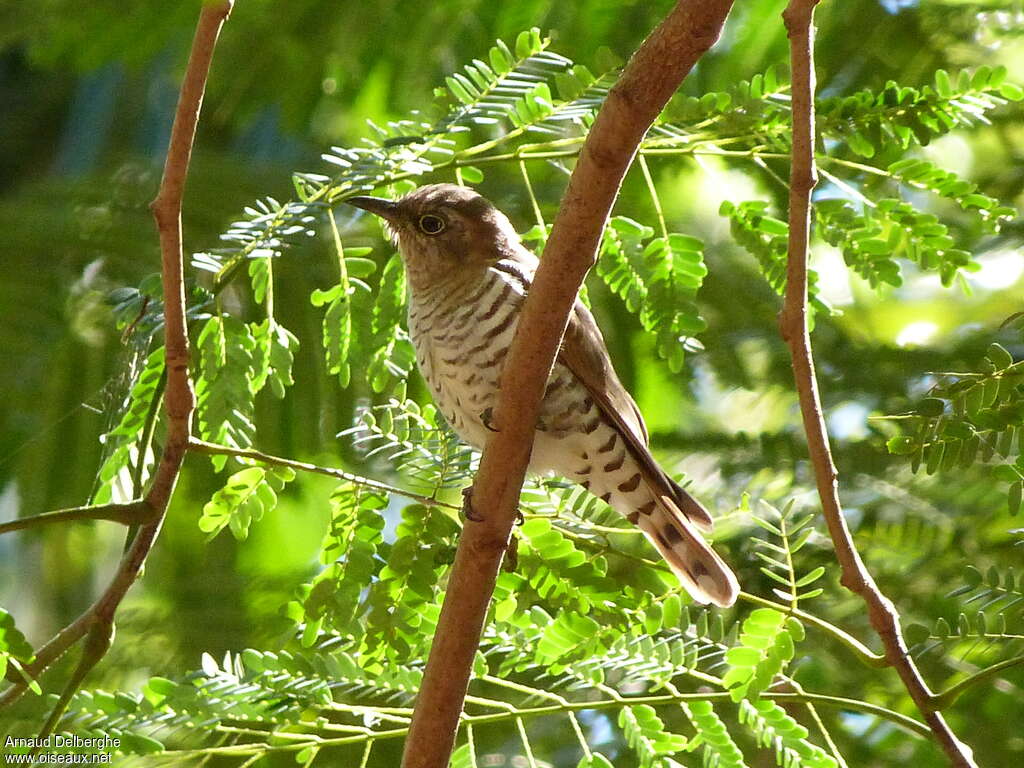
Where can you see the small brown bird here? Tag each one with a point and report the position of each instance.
(469, 274)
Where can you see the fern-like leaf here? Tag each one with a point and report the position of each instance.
(244, 499)
(766, 645)
(776, 730)
(646, 734)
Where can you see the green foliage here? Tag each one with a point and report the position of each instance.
(415, 440)
(868, 122)
(719, 750)
(15, 650)
(767, 644)
(236, 361)
(755, 106)
(498, 92)
(566, 634)
(225, 387)
(274, 355)
(774, 728)
(969, 417)
(793, 533)
(560, 573)
(248, 494)
(402, 611)
(921, 174)
(646, 734)
(349, 550)
(338, 324)
(871, 241)
(658, 278)
(989, 622)
(268, 229)
(766, 239)
(126, 455)
(392, 356)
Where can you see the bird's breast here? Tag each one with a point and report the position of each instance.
(462, 338)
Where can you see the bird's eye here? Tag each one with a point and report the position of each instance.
(431, 224)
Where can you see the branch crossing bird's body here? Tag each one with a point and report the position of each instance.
(469, 275)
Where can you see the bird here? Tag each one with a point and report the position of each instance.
(468, 274)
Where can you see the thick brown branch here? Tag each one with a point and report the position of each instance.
(98, 620)
(648, 81)
(799, 19)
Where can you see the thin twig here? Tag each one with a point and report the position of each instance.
(646, 84)
(951, 694)
(505, 713)
(201, 446)
(864, 654)
(799, 18)
(97, 622)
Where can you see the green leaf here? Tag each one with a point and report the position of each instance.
(245, 498)
(645, 733)
(14, 647)
(811, 577)
(765, 647)
(226, 384)
(901, 445)
(117, 467)
(1011, 91)
(472, 174)
(719, 749)
(999, 356)
(349, 554)
(916, 633)
(776, 729)
(1013, 499)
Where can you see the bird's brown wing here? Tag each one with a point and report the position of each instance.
(583, 352)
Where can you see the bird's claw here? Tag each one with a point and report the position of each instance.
(467, 506)
(470, 514)
(487, 419)
(511, 561)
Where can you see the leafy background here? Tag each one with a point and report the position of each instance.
(925, 411)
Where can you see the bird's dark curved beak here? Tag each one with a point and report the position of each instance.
(386, 209)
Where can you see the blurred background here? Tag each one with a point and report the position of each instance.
(87, 92)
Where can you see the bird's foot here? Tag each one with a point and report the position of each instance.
(487, 419)
(467, 506)
(470, 514)
(511, 561)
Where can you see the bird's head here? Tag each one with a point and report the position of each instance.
(441, 228)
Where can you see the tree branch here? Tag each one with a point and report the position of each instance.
(133, 513)
(799, 18)
(97, 622)
(647, 83)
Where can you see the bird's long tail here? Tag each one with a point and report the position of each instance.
(702, 572)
